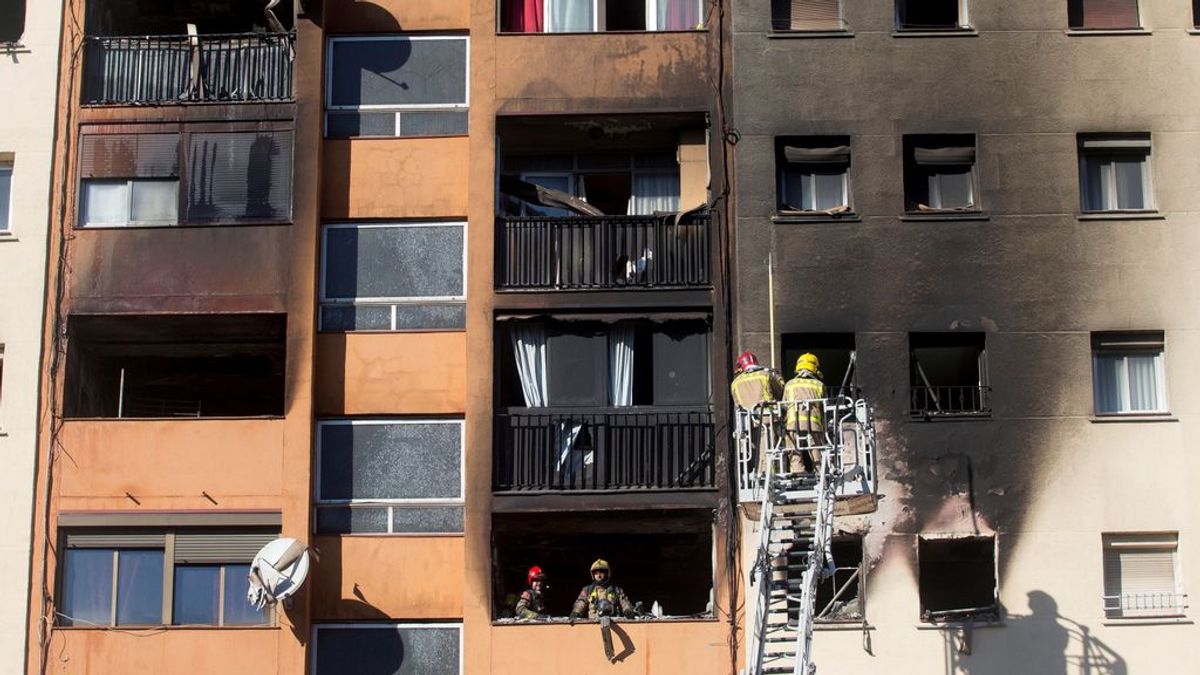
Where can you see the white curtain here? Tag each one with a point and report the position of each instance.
(1143, 382)
(568, 16)
(620, 359)
(529, 347)
(654, 192)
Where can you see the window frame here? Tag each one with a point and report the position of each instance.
(963, 22)
(996, 607)
(316, 627)
(1140, 146)
(777, 27)
(982, 374)
(1125, 345)
(1137, 8)
(860, 571)
(7, 166)
(916, 173)
(389, 503)
(129, 221)
(1111, 541)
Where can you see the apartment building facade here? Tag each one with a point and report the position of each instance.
(980, 215)
(28, 64)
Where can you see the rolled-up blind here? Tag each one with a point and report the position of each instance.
(1133, 144)
(957, 155)
(838, 154)
(240, 176)
(129, 155)
(220, 547)
(115, 539)
(1111, 14)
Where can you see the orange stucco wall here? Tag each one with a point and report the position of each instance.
(394, 178)
(374, 577)
(381, 373)
(172, 650)
(394, 16)
(659, 648)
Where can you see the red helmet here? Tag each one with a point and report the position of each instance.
(744, 361)
(535, 572)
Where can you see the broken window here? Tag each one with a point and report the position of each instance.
(836, 353)
(957, 578)
(396, 85)
(939, 173)
(948, 374)
(1128, 375)
(814, 174)
(919, 15)
(1103, 14)
(586, 16)
(389, 476)
(564, 544)
(839, 597)
(393, 276)
(814, 15)
(12, 21)
(1141, 576)
(610, 183)
(393, 648)
(175, 366)
(1114, 173)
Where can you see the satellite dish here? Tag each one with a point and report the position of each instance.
(278, 571)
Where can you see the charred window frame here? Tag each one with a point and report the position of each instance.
(948, 375)
(841, 598)
(958, 579)
(397, 86)
(837, 353)
(1115, 174)
(807, 15)
(1129, 373)
(406, 276)
(12, 22)
(1142, 577)
(384, 647)
(814, 175)
(940, 175)
(1084, 15)
(222, 174)
(932, 15)
(389, 476)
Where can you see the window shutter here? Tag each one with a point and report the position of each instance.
(129, 156)
(1104, 14)
(220, 547)
(838, 154)
(815, 15)
(241, 176)
(115, 540)
(956, 155)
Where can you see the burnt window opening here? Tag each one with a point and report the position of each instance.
(839, 597)
(12, 21)
(175, 366)
(678, 576)
(625, 15)
(142, 17)
(931, 15)
(957, 578)
(948, 374)
(836, 353)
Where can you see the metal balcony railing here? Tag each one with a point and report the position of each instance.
(161, 69)
(603, 252)
(960, 400)
(1145, 604)
(548, 449)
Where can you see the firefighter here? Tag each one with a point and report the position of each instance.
(601, 597)
(754, 385)
(805, 420)
(532, 604)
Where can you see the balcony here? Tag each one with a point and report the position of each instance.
(167, 69)
(950, 401)
(603, 252)
(567, 449)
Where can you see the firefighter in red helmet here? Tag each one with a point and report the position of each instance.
(531, 604)
(753, 386)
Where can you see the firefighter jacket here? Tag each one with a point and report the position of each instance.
(594, 595)
(756, 385)
(812, 419)
(531, 605)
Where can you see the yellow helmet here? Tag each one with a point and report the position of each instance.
(809, 362)
(600, 564)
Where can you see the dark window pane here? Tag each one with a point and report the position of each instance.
(387, 650)
(439, 123)
(351, 124)
(197, 594)
(577, 360)
(336, 318)
(87, 587)
(390, 461)
(347, 520)
(139, 588)
(393, 262)
(238, 610)
(1095, 181)
(12, 20)
(431, 317)
(243, 176)
(928, 14)
(427, 519)
(680, 364)
(398, 72)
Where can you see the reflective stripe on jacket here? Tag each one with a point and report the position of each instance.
(804, 389)
(753, 387)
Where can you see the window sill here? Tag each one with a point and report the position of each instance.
(815, 217)
(1133, 417)
(1193, 31)
(7, 236)
(393, 137)
(1150, 621)
(683, 31)
(183, 226)
(163, 628)
(841, 625)
(959, 625)
(1079, 32)
(949, 33)
(227, 418)
(1121, 215)
(391, 535)
(808, 34)
(921, 416)
(388, 331)
(563, 621)
(919, 216)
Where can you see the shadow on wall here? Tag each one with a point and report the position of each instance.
(1044, 641)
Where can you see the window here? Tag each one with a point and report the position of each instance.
(813, 174)
(835, 351)
(1127, 373)
(232, 177)
(939, 173)
(12, 20)
(425, 648)
(1196, 13)
(6, 175)
(389, 476)
(393, 276)
(813, 15)
(957, 578)
(636, 184)
(1102, 14)
(116, 577)
(1141, 576)
(1114, 173)
(839, 597)
(931, 15)
(589, 16)
(396, 85)
(948, 374)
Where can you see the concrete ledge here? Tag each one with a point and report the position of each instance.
(800, 218)
(1122, 31)
(1166, 417)
(945, 215)
(1149, 621)
(961, 32)
(1122, 215)
(808, 34)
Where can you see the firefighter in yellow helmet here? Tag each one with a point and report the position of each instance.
(805, 419)
(754, 385)
(601, 597)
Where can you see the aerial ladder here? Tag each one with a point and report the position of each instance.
(795, 521)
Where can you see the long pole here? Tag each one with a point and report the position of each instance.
(771, 302)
